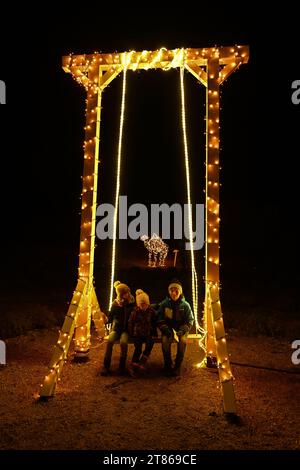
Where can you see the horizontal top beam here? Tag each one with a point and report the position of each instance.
(161, 58)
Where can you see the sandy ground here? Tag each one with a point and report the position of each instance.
(151, 412)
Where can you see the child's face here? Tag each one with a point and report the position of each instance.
(174, 293)
(143, 305)
(125, 298)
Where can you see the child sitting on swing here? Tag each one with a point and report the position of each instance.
(142, 328)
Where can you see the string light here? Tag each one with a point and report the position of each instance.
(113, 260)
(190, 222)
(81, 66)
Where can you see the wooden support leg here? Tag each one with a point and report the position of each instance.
(90, 310)
(62, 346)
(83, 325)
(225, 374)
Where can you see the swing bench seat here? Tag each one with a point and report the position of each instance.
(157, 339)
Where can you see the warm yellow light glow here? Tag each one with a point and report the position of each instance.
(113, 258)
(84, 69)
(201, 364)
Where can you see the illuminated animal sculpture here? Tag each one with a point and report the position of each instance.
(157, 249)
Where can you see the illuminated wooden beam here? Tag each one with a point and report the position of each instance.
(226, 54)
(229, 69)
(160, 58)
(62, 346)
(212, 275)
(89, 201)
(108, 77)
(88, 208)
(198, 73)
(224, 368)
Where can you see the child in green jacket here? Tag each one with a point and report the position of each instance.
(174, 316)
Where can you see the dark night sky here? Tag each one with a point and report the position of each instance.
(41, 130)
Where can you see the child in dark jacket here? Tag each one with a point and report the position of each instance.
(119, 315)
(142, 328)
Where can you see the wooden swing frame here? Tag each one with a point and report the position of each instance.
(211, 67)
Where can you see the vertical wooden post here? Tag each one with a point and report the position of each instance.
(212, 199)
(88, 209)
(216, 347)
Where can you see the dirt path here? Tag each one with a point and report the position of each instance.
(151, 412)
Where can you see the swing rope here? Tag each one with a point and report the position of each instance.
(186, 154)
(199, 329)
(113, 259)
(190, 219)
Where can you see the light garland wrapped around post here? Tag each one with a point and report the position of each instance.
(212, 271)
(211, 66)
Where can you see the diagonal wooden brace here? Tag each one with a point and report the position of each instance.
(225, 374)
(62, 346)
(108, 77)
(198, 72)
(229, 69)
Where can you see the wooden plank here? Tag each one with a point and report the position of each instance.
(198, 72)
(227, 53)
(63, 343)
(108, 77)
(229, 404)
(224, 368)
(147, 59)
(229, 69)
